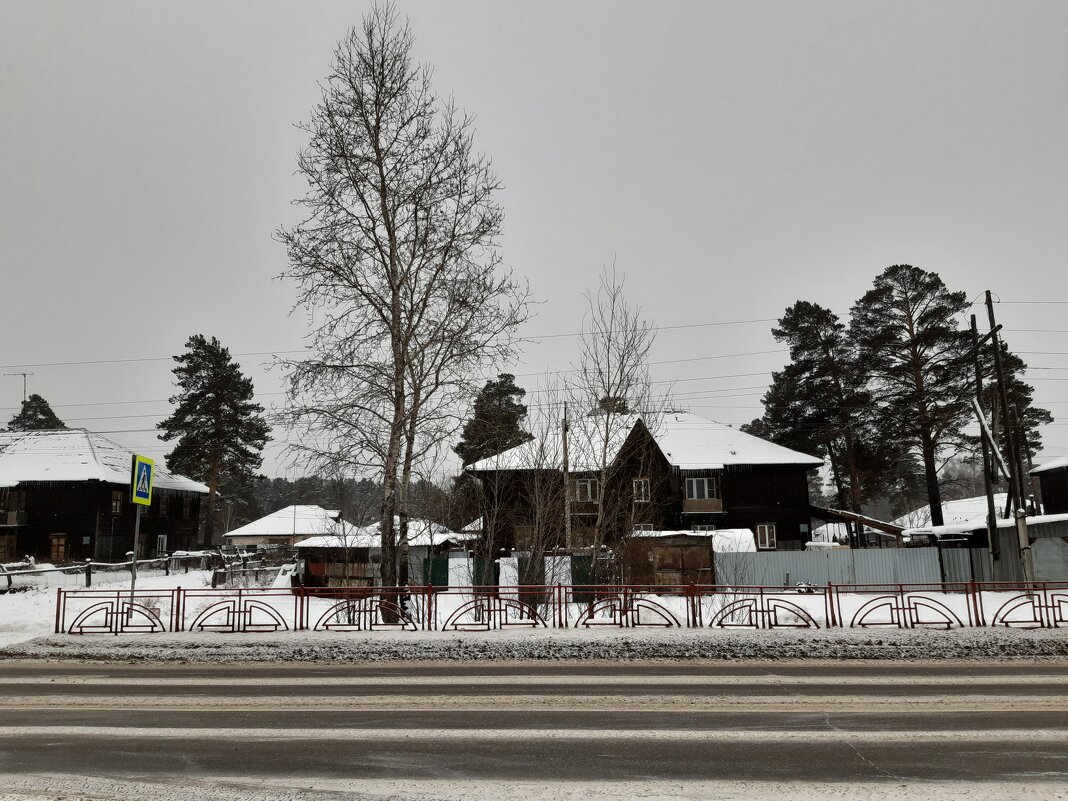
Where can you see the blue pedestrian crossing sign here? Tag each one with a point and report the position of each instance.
(141, 480)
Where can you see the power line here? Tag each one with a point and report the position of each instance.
(665, 327)
(138, 359)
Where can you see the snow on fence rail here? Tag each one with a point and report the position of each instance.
(481, 608)
(89, 572)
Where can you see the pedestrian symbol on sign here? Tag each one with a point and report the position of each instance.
(142, 480)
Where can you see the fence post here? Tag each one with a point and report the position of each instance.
(829, 603)
(88, 572)
(59, 604)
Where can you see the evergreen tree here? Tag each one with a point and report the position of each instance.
(909, 343)
(35, 415)
(496, 423)
(220, 432)
(816, 403)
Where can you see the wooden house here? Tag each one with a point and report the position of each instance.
(680, 472)
(65, 496)
(1053, 485)
(287, 526)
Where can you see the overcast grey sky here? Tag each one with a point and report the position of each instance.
(732, 157)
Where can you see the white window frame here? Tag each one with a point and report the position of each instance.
(642, 490)
(644, 527)
(587, 490)
(161, 544)
(117, 498)
(709, 485)
(766, 537)
(703, 527)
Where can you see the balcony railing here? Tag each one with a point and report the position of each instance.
(701, 505)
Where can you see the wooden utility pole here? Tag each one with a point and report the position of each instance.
(991, 513)
(567, 485)
(1016, 486)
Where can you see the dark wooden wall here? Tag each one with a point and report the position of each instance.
(1054, 484)
(83, 512)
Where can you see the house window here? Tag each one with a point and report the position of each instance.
(117, 497)
(587, 490)
(641, 490)
(701, 489)
(187, 507)
(161, 545)
(644, 527)
(164, 505)
(703, 528)
(766, 536)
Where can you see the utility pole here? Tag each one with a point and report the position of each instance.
(567, 485)
(1016, 487)
(991, 513)
(24, 375)
(1036, 487)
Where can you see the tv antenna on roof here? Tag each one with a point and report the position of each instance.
(23, 383)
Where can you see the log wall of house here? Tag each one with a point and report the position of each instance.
(1054, 486)
(73, 521)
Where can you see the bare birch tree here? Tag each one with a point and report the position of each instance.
(396, 263)
(610, 389)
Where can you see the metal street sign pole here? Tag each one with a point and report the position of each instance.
(142, 471)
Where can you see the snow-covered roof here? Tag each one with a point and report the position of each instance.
(293, 521)
(691, 442)
(1052, 464)
(75, 454)
(724, 540)
(420, 533)
(977, 523)
(688, 441)
(962, 511)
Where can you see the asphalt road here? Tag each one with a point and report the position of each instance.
(422, 732)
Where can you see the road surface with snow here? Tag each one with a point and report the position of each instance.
(526, 731)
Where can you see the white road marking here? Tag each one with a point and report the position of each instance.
(770, 679)
(1021, 737)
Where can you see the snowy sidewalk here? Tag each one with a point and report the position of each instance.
(555, 644)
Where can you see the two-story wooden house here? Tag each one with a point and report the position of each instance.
(65, 495)
(602, 480)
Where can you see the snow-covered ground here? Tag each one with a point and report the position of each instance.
(256, 788)
(556, 644)
(32, 613)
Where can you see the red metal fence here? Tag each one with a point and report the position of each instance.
(481, 608)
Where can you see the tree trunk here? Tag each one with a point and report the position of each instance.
(930, 469)
(213, 487)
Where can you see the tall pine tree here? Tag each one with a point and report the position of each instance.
(496, 423)
(35, 415)
(220, 432)
(907, 332)
(815, 403)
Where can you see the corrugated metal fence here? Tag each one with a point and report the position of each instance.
(874, 566)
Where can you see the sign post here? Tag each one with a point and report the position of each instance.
(142, 472)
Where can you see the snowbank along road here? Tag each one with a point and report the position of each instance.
(534, 731)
